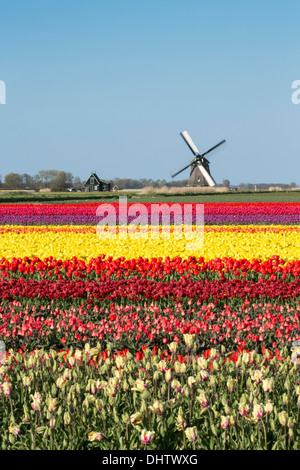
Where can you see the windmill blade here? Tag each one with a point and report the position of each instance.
(213, 148)
(210, 181)
(185, 135)
(176, 172)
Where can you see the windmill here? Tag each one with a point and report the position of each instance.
(200, 173)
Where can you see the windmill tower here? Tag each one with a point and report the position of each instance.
(200, 173)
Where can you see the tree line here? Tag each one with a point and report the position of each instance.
(43, 179)
(64, 180)
(266, 186)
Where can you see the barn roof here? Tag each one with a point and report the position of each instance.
(98, 180)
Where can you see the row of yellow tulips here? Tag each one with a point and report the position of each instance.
(85, 244)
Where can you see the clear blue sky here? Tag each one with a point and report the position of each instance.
(108, 85)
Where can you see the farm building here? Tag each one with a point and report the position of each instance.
(94, 183)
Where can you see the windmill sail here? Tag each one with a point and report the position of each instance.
(180, 169)
(185, 135)
(213, 148)
(209, 179)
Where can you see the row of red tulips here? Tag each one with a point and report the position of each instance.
(153, 268)
(242, 324)
(136, 289)
(235, 208)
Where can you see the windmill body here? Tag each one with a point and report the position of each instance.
(199, 167)
(197, 178)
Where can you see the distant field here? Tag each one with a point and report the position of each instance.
(132, 196)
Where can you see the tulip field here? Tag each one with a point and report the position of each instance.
(142, 343)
